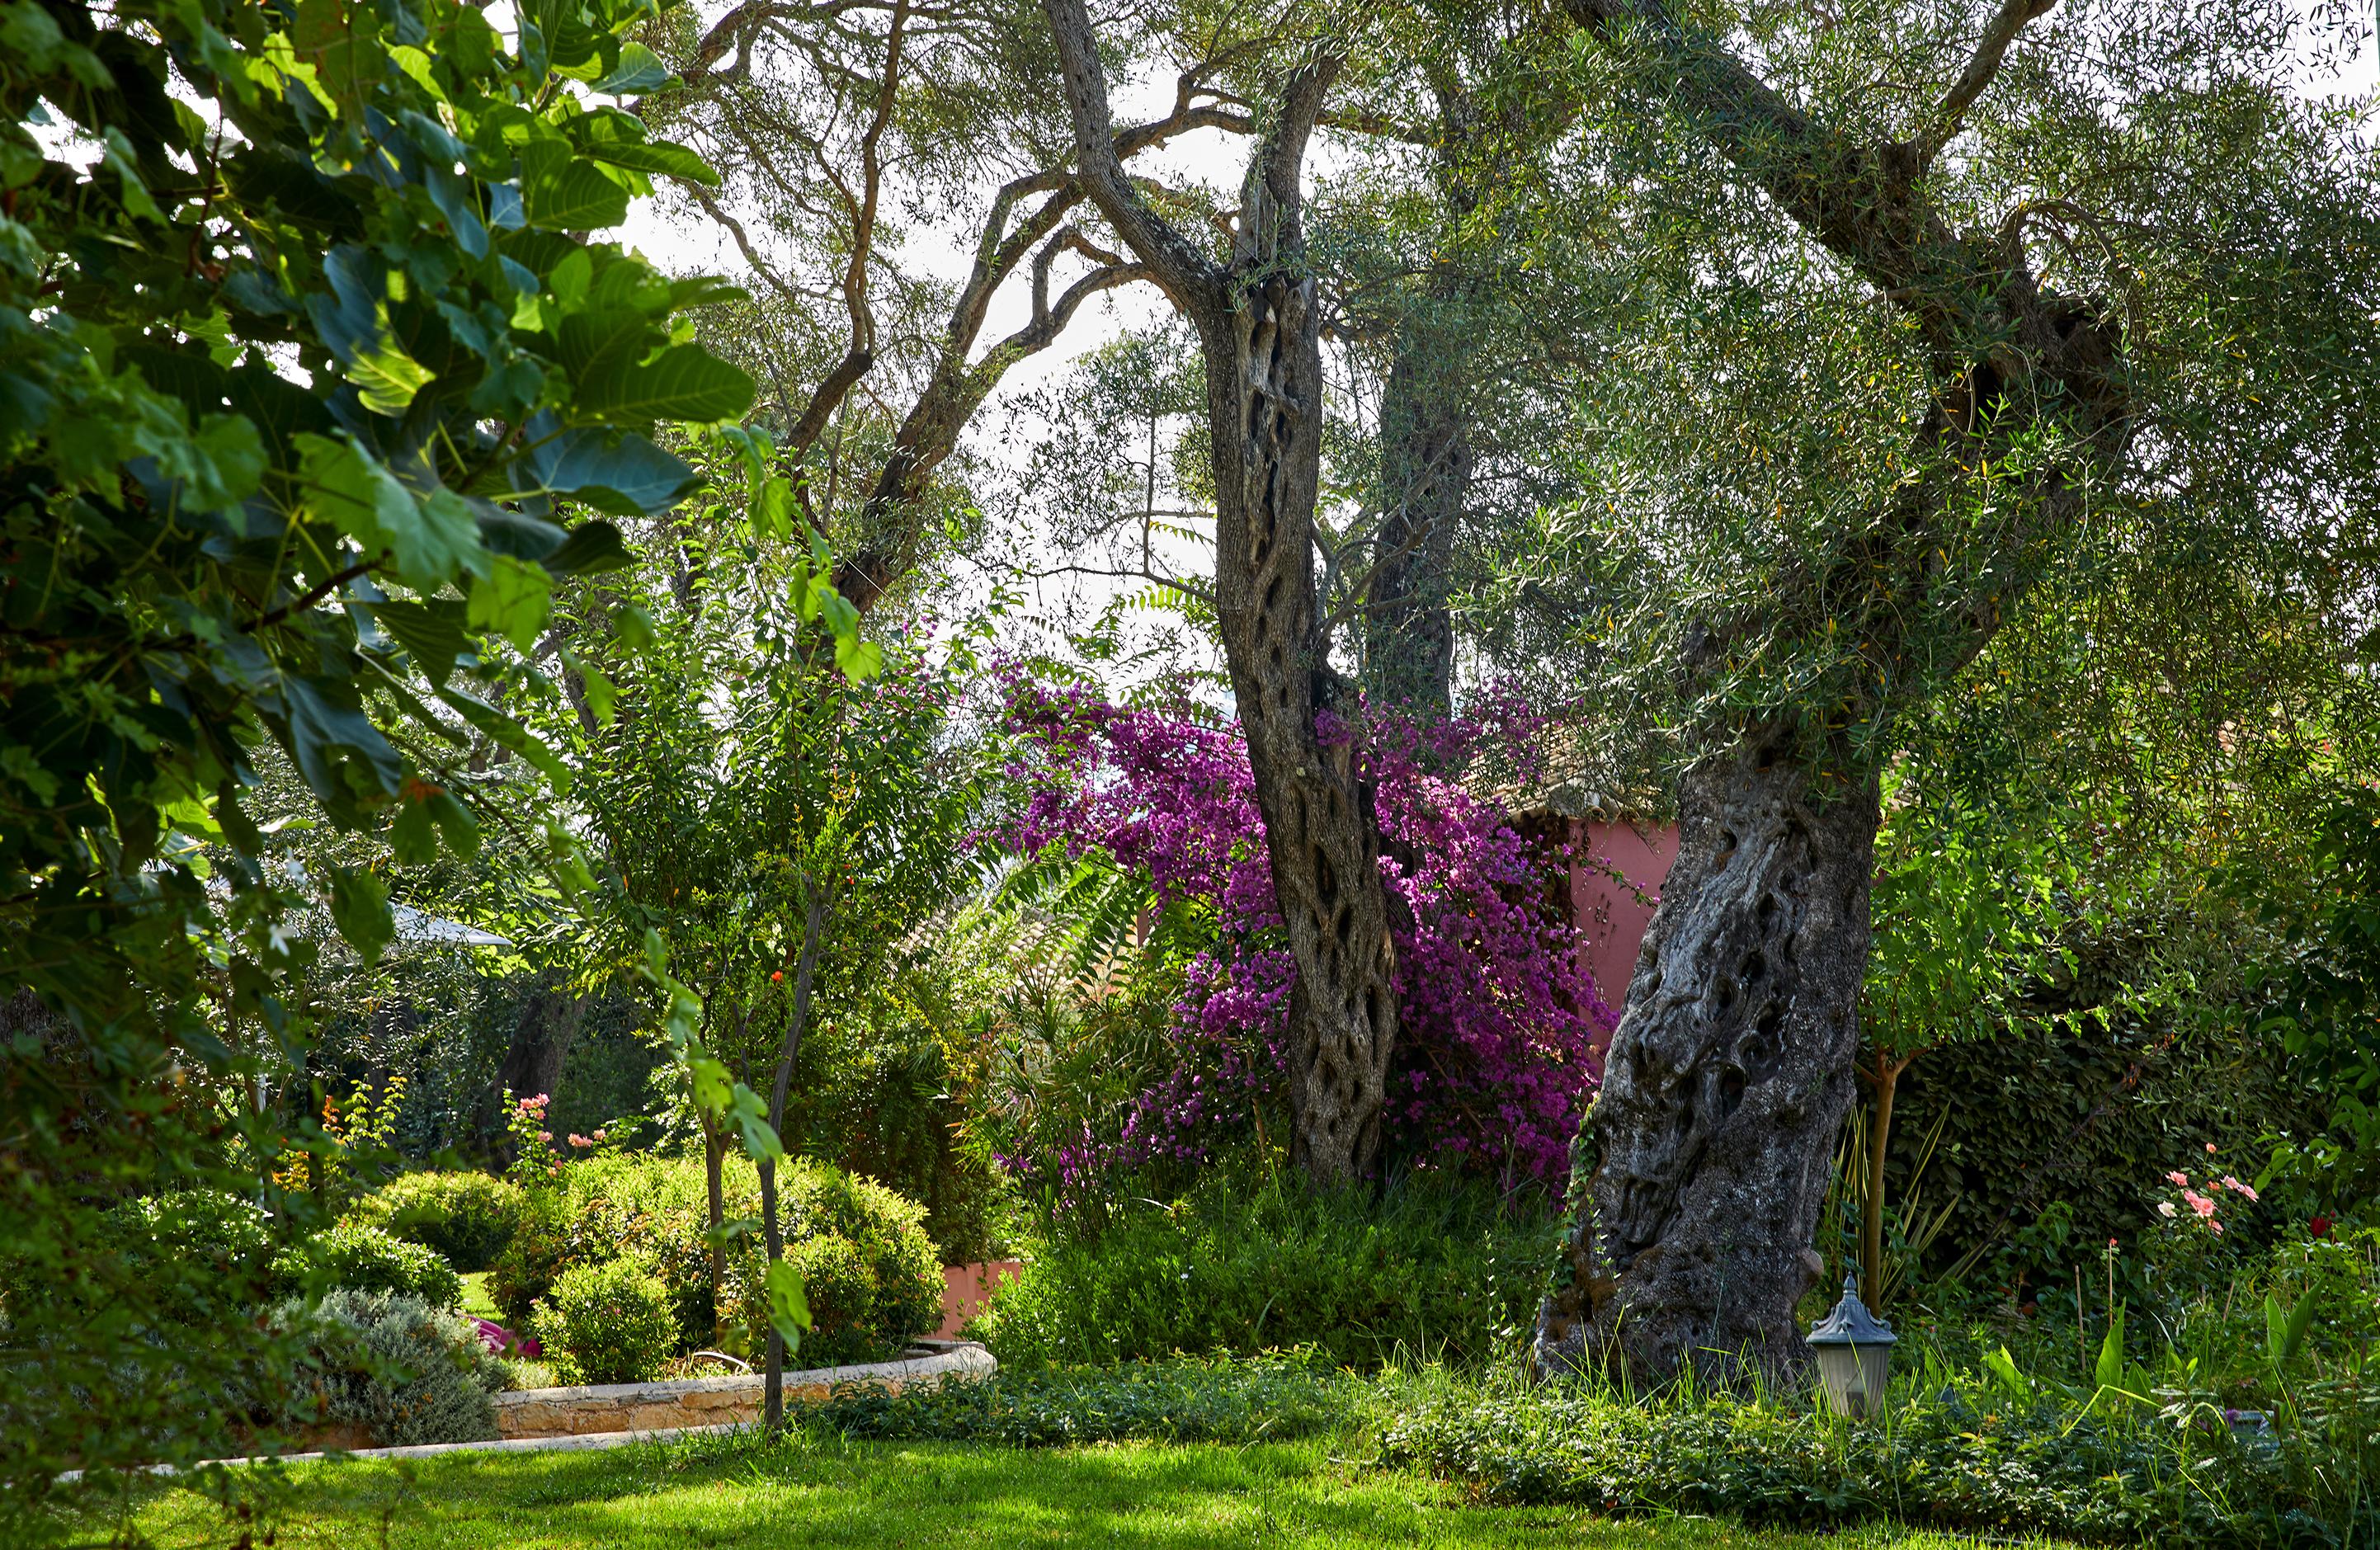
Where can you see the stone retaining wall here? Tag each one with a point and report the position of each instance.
(659, 1407)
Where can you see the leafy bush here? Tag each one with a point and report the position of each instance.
(1267, 1400)
(220, 1246)
(360, 1258)
(467, 1217)
(404, 1371)
(1954, 1456)
(881, 1288)
(610, 1323)
(1433, 1269)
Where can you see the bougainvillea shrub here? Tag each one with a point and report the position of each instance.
(1499, 1020)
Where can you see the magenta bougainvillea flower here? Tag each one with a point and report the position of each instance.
(1499, 1020)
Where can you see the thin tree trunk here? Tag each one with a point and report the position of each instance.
(1258, 320)
(1265, 373)
(715, 1156)
(1884, 1078)
(773, 1380)
(1706, 1159)
(1425, 462)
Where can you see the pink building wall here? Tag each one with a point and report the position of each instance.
(968, 1288)
(1612, 911)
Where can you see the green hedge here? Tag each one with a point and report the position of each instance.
(1972, 1461)
(467, 1217)
(354, 1257)
(1432, 1271)
(875, 1280)
(1263, 1399)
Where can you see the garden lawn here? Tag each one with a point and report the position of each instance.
(476, 1299)
(831, 1493)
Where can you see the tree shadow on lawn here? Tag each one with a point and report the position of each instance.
(820, 1495)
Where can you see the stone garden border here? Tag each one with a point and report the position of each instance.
(613, 1415)
(693, 1402)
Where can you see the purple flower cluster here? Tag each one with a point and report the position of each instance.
(1500, 1022)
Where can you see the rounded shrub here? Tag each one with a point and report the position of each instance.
(402, 1370)
(871, 1299)
(609, 1323)
(467, 1217)
(545, 1242)
(360, 1258)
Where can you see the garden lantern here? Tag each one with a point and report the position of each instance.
(1854, 1352)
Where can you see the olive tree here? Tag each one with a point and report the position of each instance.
(1937, 307)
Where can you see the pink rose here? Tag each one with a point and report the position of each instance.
(578, 1140)
(2238, 1188)
(599, 1136)
(2178, 1178)
(545, 1135)
(2199, 1203)
(2210, 1146)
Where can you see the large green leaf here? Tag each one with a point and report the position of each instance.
(513, 597)
(622, 473)
(563, 192)
(683, 382)
(658, 157)
(432, 632)
(429, 538)
(789, 1306)
(639, 69)
(591, 549)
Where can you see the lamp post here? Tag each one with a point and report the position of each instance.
(1854, 1352)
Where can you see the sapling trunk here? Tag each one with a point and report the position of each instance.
(773, 1381)
(1885, 1078)
(714, 1154)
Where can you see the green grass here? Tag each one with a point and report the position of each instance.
(814, 1495)
(476, 1300)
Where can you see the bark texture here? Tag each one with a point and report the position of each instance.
(1727, 1078)
(1426, 463)
(543, 1029)
(1258, 320)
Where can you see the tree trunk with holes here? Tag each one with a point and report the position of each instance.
(1706, 1159)
(1264, 375)
(1259, 319)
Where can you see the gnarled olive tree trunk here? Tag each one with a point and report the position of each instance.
(1260, 326)
(1707, 1152)
(1700, 1170)
(1264, 371)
